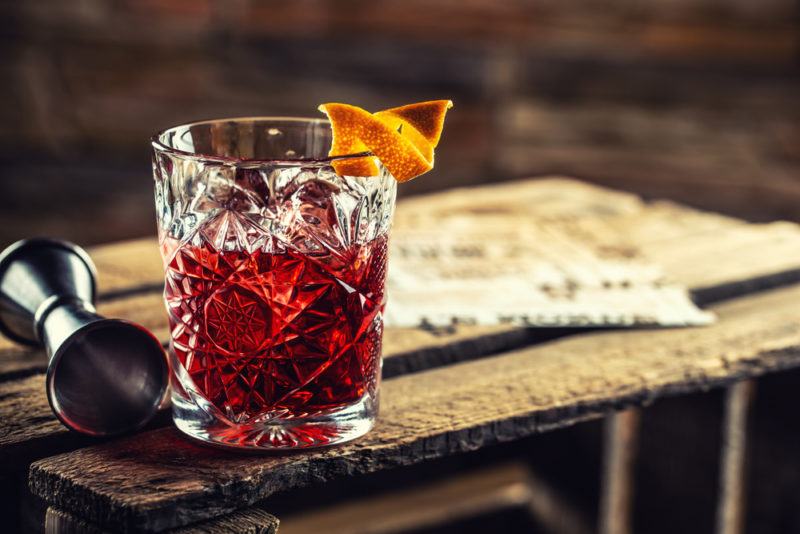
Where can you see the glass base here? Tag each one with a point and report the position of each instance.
(331, 428)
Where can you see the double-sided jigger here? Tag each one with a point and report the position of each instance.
(105, 376)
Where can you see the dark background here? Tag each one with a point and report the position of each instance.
(695, 100)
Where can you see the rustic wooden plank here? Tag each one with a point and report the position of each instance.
(128, 267)
(32, 432)
(405, 349)
(679, 239)
(19, 362)
(29, 431)
(665, 233)
(745, 258)
(157, 479)
(675, 237)
(133, 267)
(250, 521)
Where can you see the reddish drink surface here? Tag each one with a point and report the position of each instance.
(278, 334)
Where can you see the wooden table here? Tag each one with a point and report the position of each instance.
(445, 391)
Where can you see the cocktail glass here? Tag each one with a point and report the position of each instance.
(274, 282)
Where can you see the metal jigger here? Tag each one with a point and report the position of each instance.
(105, 376)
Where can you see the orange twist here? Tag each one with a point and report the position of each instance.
(402, 138)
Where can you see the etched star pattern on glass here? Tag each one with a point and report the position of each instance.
(275, 270)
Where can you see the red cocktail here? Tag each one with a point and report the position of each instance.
(274, 238)
(275, 268)
(277, 334)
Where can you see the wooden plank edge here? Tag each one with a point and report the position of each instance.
(69, 495)
(706, 296)
(433, 355)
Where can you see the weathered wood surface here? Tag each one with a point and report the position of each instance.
(664, 232)
(29, 430)
(250, 521)
(715, 256)
(680, 239)
(157, 479)
(128, 267)
(683, 241)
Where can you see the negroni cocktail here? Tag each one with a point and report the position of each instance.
(274, 234)
(276, 333)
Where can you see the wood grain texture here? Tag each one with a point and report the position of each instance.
(19, 362)
(128, 267)
(250, 521)
(677, 238)
(716, 256)
(736, 426)
(620, 449)
(28, 429)
(159, 480)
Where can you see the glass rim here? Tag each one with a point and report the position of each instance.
(157, 144)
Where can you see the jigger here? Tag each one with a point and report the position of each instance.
(104, 376)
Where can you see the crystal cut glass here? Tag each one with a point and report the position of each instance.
(274, 282)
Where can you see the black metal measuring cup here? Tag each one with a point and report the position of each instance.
(105, 376)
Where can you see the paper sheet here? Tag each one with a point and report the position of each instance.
(491, 270)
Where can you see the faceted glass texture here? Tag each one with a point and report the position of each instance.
(274, 282)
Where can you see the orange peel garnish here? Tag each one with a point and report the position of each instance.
(402, 138)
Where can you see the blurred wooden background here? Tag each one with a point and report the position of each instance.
(695, 100)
